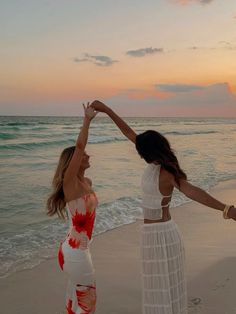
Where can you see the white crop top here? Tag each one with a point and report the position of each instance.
(152, 199)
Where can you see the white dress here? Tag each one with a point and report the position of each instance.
(74, 256)
(162, 253)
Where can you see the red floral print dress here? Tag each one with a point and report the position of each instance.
(74, 256)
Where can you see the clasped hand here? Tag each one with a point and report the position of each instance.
(89, 111)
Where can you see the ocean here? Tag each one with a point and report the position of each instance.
(30, 149)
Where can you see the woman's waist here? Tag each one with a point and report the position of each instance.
(77, 241)
(74, 252)
(80, 233)
(151, 203)
(160, 226)
(154, 211)
(70, 239)
(153, 221)
(155, 215)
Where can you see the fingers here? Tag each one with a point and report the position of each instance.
(94, 111)
(88, 106)
(89, 111)
(93, 103)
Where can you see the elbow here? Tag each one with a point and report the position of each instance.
(189, 191)
(190, 195)
(79, 145)
(194, 193)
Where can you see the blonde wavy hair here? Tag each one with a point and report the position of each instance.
(56, 201)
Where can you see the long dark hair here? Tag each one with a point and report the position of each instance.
(56, 201)
(154, 147)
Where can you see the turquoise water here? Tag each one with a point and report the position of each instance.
(30, 148)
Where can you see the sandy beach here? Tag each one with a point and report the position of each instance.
(210, 243)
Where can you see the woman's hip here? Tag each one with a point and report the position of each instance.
(161, 234)
(76, 262)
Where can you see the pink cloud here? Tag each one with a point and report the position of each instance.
(140, 94)
(214, 100)
(184, 2)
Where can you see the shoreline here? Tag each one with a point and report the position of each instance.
(109, 230)
(210, 257)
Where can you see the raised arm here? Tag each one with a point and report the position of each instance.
(75, 162)
(201, 196)
(122, 125)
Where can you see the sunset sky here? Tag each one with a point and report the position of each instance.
(143, 58)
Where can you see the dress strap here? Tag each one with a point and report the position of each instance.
(166, 205)
(165, 196)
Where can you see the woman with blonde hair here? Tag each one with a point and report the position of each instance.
(74, 197)
(162, 248)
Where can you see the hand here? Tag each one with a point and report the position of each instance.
(232, 213)
(89, 112)
(99, 106)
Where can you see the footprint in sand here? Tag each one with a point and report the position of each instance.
(195, 305)
(221, 284)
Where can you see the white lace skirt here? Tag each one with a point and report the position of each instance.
(163, 269)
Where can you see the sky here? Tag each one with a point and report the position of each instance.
(142, 58)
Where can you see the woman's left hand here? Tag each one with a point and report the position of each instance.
(89, 112)
(232, 213)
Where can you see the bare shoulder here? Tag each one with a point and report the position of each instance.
(167, 175)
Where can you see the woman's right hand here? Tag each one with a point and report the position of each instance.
(232, 213)
(99, 106)
(89, 112)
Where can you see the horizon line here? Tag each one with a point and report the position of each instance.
(105, 116)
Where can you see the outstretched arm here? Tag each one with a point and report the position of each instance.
(122, 125)
(201, 196)
(75, 162)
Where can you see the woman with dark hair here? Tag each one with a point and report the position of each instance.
(73, 196)
(162, 249)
